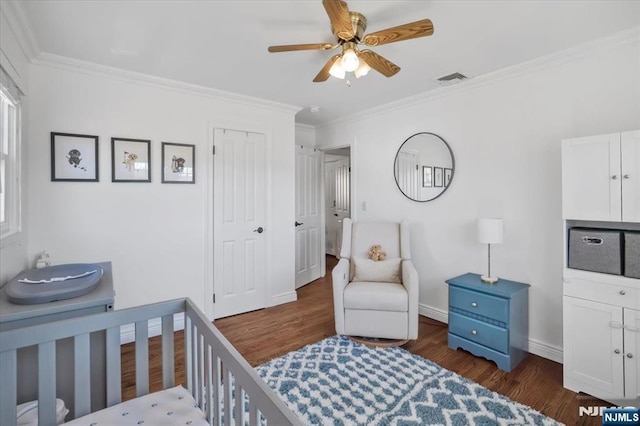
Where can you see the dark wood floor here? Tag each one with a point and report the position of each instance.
(269, 333)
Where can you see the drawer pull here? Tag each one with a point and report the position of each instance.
(474, 332)
(592, 241)
(629, 355)
(474, 304)
(622, 292)
(617, 351)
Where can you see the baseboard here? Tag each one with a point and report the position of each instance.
(279, 299)
(433, 313)
(536, 347)
(128, 331)
(545, 350)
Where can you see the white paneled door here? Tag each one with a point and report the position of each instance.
(308, 217)
(343, 197)
(239, 232)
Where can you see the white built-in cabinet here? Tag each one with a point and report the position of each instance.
(601, 177)
(601, 312)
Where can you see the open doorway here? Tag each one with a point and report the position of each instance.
(337, 196)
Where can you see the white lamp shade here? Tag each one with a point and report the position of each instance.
(490, 231)
(337, 71)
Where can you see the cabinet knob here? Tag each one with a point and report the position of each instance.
(625, 176)
(614, 177)
(474, 304)
(617, 351)
(622, 292)
(474, 332)
(629, 355)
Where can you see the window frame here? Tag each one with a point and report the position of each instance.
(12, 179)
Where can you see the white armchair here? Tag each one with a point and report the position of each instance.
(376, 299)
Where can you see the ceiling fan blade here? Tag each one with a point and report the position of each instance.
(323, 75)
(378, 63)
(294, 47)
(402, 32)
(338, 12)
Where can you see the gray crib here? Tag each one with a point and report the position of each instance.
(218, 377)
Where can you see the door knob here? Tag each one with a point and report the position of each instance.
(335, 214)
(629, 355)
(260, 230)
(614, 177)
(299, 223)
(626, 177)
(617, 351)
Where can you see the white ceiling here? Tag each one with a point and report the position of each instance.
(223, 44)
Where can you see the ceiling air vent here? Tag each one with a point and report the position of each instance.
(450, 79)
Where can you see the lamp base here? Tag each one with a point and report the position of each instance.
(490, 280)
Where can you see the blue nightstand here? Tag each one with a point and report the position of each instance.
(489, 320)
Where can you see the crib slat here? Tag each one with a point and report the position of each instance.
(194, 362)
(114, 368)
(82, 375)
(168, 360)
(226, 388)
(237, 408)
(9, 381)
(216, 391)
(187, 358)
(207, 385)
(253, 412)
(142, 358)
(47, 383)
(201, 371)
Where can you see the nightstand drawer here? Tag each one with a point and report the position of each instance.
(496, 338)
(479, 304)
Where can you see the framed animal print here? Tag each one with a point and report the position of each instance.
(74, 157)
(178, 163)
(130, 160)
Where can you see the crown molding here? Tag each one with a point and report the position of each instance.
(305, 127)
(622, 38)
(21, 26)
(75, 65)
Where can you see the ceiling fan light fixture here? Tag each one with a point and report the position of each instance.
(337, 71)
(362, 70)
(349, 59)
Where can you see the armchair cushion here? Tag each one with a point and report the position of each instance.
(387, 271)
(376, 296)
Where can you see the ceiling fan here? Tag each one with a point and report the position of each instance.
(348, 28)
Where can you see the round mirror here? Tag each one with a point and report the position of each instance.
(424, 167)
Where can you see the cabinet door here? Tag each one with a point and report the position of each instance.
(591, 178)
(630, 147)
(592, 335)
(632, 356)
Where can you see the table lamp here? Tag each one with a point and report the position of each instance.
(489, 232)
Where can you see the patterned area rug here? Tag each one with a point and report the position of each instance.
(339, 382)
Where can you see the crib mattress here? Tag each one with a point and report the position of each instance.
(169, 407)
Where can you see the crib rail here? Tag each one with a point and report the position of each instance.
(218, 377)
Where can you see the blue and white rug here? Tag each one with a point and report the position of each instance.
(339, 382)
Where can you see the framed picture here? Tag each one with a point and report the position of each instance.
(447, 176)
(438, 177)
(178, 163)
(130, 160)
(74, 158)
(427, 176)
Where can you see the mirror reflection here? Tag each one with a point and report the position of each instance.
(424, 167)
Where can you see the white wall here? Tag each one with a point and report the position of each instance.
(155, 234)
(505, 134)
(14, 60)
